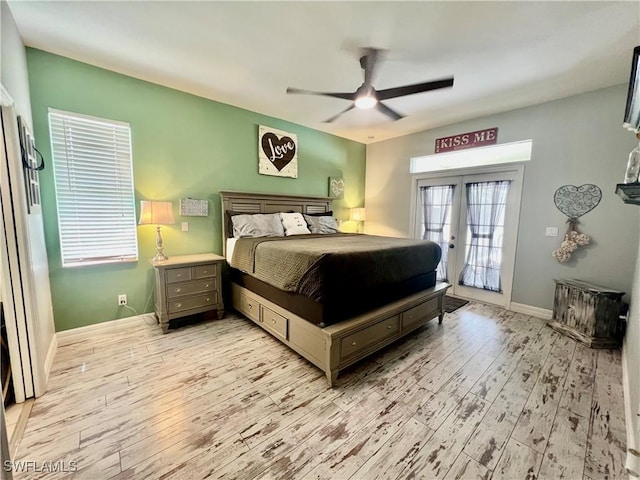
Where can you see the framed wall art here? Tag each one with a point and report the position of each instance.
(336, 187)
(277, 152)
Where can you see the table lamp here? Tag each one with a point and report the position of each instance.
(158, 214)
(358, 215)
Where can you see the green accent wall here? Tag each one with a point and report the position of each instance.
(183, 146)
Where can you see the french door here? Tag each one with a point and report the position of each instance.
(474, 219)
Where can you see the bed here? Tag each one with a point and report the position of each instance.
(355, 295)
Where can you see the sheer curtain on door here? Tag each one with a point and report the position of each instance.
(486, 202)
(436, 208)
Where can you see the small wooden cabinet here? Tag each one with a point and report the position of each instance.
(186, 285)
(588, 313)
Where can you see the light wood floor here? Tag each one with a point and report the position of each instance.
(488, 394)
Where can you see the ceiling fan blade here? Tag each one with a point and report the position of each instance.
(416, 88)
(369, 63)
(350, 107)
(388, 111)
(345, 96)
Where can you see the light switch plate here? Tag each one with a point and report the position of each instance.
(185, 226)
(551, 232)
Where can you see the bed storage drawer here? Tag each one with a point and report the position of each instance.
(428, 309)
(249, 307)
(359, 341)
(273, 322)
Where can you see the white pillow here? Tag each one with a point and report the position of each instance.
(257, 225)
(294, 224)
(323, 224)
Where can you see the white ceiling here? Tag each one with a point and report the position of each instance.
(503, 55)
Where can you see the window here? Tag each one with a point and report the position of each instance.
(94, 189)
(436, 209)
(473, 157)
(486, 204)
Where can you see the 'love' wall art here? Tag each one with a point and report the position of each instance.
(277, 152)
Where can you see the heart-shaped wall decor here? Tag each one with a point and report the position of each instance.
(336, 186)
(576, 201)
(280, 151)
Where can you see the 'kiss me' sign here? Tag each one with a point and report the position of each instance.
(277, 152)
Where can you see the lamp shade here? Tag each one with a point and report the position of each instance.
(156, 213)
(358, 214)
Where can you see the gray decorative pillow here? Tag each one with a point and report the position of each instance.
(325, 224)
(257, 225)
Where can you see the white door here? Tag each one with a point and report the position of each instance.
(474, 218)
(24, 273)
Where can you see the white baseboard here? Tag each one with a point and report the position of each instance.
(51, 355)
(537, 312)
(67, 337)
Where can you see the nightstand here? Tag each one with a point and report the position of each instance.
(186, 285)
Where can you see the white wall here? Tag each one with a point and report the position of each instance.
(15, 80)
(13, 64)
(576, 140)
(631, 361)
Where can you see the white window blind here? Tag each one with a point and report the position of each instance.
(94, 189)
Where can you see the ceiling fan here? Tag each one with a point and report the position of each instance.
(366, 96)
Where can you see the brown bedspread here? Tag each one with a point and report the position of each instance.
(321, 266)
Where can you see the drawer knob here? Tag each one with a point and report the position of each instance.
(179, 275)
(273, 320)
(207, 299)
(353, 344)
(389, 326)
(178, 305)
(250, 306)
(178, 290)
(205, 271)
(206, 285)
(410, 316)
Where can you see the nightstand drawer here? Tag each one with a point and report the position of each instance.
(190, 303)
(180, 289)
(178, 275)
(204, 271)
(359, 341)
(274, 322)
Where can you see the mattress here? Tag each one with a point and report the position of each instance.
(327, 278)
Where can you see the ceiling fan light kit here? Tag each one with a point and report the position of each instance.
(366, 102)
(366, 97)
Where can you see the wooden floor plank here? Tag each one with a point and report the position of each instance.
(577, 394)
(399, 451)
(517, 461)
(435, 458)
(564, 456)
(606, 445)
(224, 399)
(346, 459)
(535, 422)
(466, 468)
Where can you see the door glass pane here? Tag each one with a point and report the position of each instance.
(486, 203)
(436, 221)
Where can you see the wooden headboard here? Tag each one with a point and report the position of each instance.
(251, 202)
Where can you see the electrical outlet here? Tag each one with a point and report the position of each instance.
(185, 226)
(551, 232)
(122, 299)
